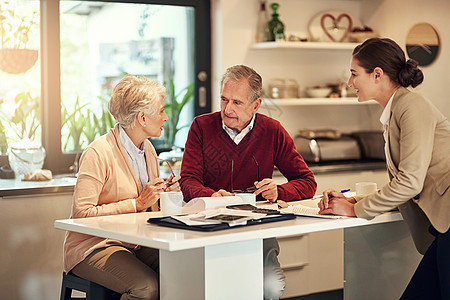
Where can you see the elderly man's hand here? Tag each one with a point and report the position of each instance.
(222, 193)
(267, 188)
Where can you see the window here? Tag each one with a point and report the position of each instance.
(87, 46)
(20, 85)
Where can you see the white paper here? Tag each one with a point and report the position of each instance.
(191, 219)
(309, 211)
(206, 203)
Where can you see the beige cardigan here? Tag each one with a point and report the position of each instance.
(105, 186)
(419, 144)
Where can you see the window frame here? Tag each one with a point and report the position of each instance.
(59, 162)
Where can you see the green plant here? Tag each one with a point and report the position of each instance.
(26, 118)
(3, 141)
(106, 120)
(75, 121)
(15, 29)
(174, 108)
(83, 122)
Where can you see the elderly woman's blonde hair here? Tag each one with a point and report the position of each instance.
(134, 94)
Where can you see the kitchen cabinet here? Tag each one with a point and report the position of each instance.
(32, 257)
(312, 262)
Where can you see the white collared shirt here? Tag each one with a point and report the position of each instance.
(237, 136)
(384, 119)
(136, 157)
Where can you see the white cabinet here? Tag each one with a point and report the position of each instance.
(32, 257)
(312, 262)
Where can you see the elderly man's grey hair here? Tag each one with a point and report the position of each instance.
(238, 72)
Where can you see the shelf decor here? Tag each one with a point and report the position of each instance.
(336, 30)
(332, 26)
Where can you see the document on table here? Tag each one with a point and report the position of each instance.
(197, 205)
(309, 209)
(230, 216)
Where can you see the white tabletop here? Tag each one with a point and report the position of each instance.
(133, 228)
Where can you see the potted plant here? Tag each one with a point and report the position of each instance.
(173, 110)
(166, 149)
(25, 154)
(15, 32)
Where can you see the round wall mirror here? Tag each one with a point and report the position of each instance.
(422, 43)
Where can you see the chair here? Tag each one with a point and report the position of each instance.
(93, 290)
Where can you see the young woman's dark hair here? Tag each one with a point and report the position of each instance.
(387, 54)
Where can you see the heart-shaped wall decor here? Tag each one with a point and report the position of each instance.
(336, 28)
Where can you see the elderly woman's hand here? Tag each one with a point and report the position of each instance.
(150, 194)
(172, 184)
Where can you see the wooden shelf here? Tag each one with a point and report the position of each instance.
(304, 45)
(315, 101)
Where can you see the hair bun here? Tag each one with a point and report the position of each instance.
(410, 74)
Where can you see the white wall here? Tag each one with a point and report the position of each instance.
(234, 24)
(389, 23)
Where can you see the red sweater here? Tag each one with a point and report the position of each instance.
(209, 152)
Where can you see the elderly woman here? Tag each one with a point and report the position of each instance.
(119, 173)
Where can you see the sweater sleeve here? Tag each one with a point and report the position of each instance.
(301, 182)
(192, 184)
(94, 172)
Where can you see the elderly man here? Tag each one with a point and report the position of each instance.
(236, 150)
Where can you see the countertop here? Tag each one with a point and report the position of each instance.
(17, 187)
(133, 228)
(66, 183)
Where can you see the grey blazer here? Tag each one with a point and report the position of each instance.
(418, 147)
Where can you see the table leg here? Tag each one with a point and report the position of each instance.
(225, 271)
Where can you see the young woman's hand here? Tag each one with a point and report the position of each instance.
(334, 202)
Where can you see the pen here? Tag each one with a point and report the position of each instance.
(345, 190)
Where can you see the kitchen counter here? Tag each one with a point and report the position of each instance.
(344, 166)
(347, 166)
(17, 187)
(64, 183)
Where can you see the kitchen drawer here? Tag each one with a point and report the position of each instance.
(312, 262)
(293, 252)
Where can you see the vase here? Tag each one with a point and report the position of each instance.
(276, 27)
(25, 156)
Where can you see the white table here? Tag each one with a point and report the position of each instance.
(225, 264)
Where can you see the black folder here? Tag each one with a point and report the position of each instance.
(174, 223)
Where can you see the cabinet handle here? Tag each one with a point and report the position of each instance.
(294, 266)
